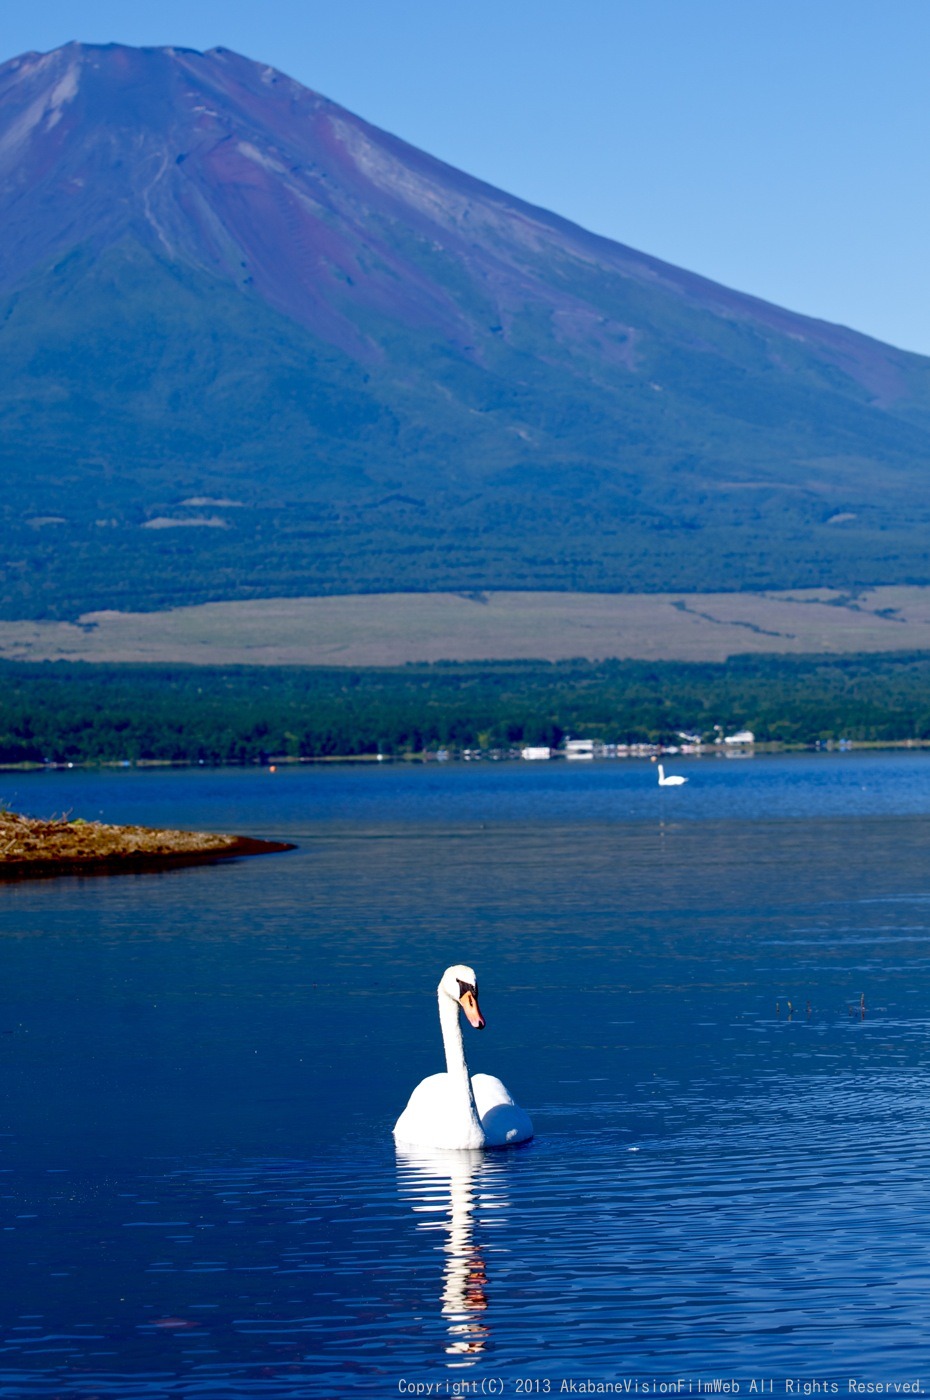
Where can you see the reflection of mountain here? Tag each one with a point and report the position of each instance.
(446, 1189)
(252, 345)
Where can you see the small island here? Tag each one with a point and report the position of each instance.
(31, 847)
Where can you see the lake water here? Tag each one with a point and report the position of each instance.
(714, 1001)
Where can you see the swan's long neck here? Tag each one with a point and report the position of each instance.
(456, 1068)
(452, 1041)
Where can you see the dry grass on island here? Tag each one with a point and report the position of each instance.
(30, 846)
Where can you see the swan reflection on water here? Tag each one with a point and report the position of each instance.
(447, 1189)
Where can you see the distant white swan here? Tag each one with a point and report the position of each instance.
(455, 1109)
(673, 779)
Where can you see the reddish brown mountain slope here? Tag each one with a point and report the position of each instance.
(217, 285)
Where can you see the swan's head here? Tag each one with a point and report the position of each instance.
(461, 984)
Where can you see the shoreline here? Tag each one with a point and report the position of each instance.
(634, 751)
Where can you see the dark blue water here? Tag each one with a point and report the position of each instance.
(713, 1000)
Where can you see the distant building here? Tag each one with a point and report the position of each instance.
(535, 751)
(745, 736)
(582, 748)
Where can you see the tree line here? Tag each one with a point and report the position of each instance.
(76, 712)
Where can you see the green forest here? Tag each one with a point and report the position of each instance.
(74, 712)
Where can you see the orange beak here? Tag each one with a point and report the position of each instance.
(469, 1004)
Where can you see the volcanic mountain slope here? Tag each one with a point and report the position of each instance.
(251, 345)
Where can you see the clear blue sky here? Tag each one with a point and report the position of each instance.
(777, 146)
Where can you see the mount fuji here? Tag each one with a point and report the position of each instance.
(251, 345)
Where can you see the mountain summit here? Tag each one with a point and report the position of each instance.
(252, 345)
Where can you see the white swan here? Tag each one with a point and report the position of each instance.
(455, 1110)
(673, 779)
